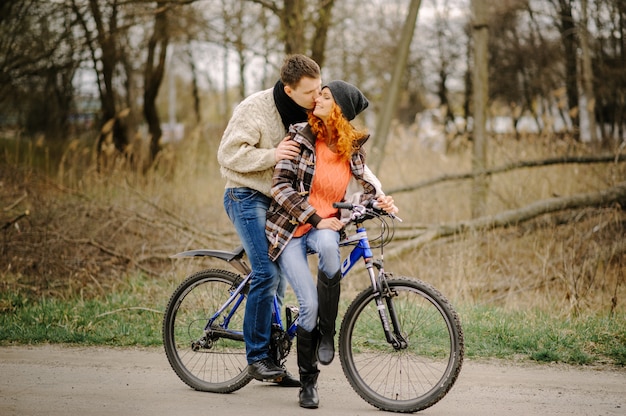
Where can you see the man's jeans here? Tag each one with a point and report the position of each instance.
(293, 264)
(247, 209)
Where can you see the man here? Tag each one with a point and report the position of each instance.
(253, 142)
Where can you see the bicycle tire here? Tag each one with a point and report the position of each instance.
(222, 367)
(406, 380)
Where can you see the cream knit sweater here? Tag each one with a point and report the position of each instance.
(247, 151)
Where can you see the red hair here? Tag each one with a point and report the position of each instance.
(337, 131)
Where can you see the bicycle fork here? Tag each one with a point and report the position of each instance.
(384, 304)
(383, 293)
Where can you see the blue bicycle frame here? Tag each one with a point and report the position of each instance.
(361, 249)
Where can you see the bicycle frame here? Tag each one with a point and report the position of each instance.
(410, 368)
(361, 250)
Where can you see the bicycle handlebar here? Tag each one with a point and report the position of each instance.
(343, 205)
(362, 208)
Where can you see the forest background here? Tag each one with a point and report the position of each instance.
(499, 127)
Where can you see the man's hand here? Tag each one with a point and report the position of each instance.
(287, 149)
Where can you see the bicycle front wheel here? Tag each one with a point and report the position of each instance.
(213, 360)
(407, 379)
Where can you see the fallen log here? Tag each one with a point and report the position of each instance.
(603, 198)
(615, 158)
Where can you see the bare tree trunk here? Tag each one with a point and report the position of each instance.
(195, 89)
(322, 23)
(236, 38)
(389, 108)
(587, 73)
(444, 55)
(104, 37)
(292, 26)
(480, 83)
(241, 55)
(568, 38)
(226, 103)
(467, 80)
(153, 76)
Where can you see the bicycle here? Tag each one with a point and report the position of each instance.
(401, 343)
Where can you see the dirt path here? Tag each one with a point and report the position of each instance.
(57, 380)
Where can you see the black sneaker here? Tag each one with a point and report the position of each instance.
(265, 369)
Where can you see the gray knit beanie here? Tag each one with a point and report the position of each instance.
(349, 98)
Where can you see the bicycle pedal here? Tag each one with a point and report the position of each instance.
(270, 380)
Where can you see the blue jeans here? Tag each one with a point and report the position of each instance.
(247, 209)
(293, 264)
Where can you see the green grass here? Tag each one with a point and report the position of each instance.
(131, 315)
(118, 319)
(535, 335)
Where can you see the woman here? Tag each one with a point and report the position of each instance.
(301, 219)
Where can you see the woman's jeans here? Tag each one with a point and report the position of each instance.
(247, 209)
(294, 266)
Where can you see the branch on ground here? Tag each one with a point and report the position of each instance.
(607, 197)
(509, 167)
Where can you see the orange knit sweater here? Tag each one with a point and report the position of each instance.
(332, 175)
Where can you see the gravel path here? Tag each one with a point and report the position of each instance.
(58, 380)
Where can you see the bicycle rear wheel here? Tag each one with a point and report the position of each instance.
(215, 360)
(410, 379)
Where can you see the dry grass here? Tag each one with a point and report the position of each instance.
(87, 230)
(567, 263)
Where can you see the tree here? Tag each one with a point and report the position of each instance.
(295, 17)
(114, 43)
(480, 87)
(103, 36)
(524, 62)
(322, 25)
(608, 63)
(567, 28)
(446, 55)
(153, 75)
(587, 73)
(38, 60)
(384, 121)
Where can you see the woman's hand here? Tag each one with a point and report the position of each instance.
(330, 224)
(385, 202)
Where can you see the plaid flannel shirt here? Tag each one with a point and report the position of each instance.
(291, 185)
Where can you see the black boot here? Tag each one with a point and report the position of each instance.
(307, 365)
(328, 291)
